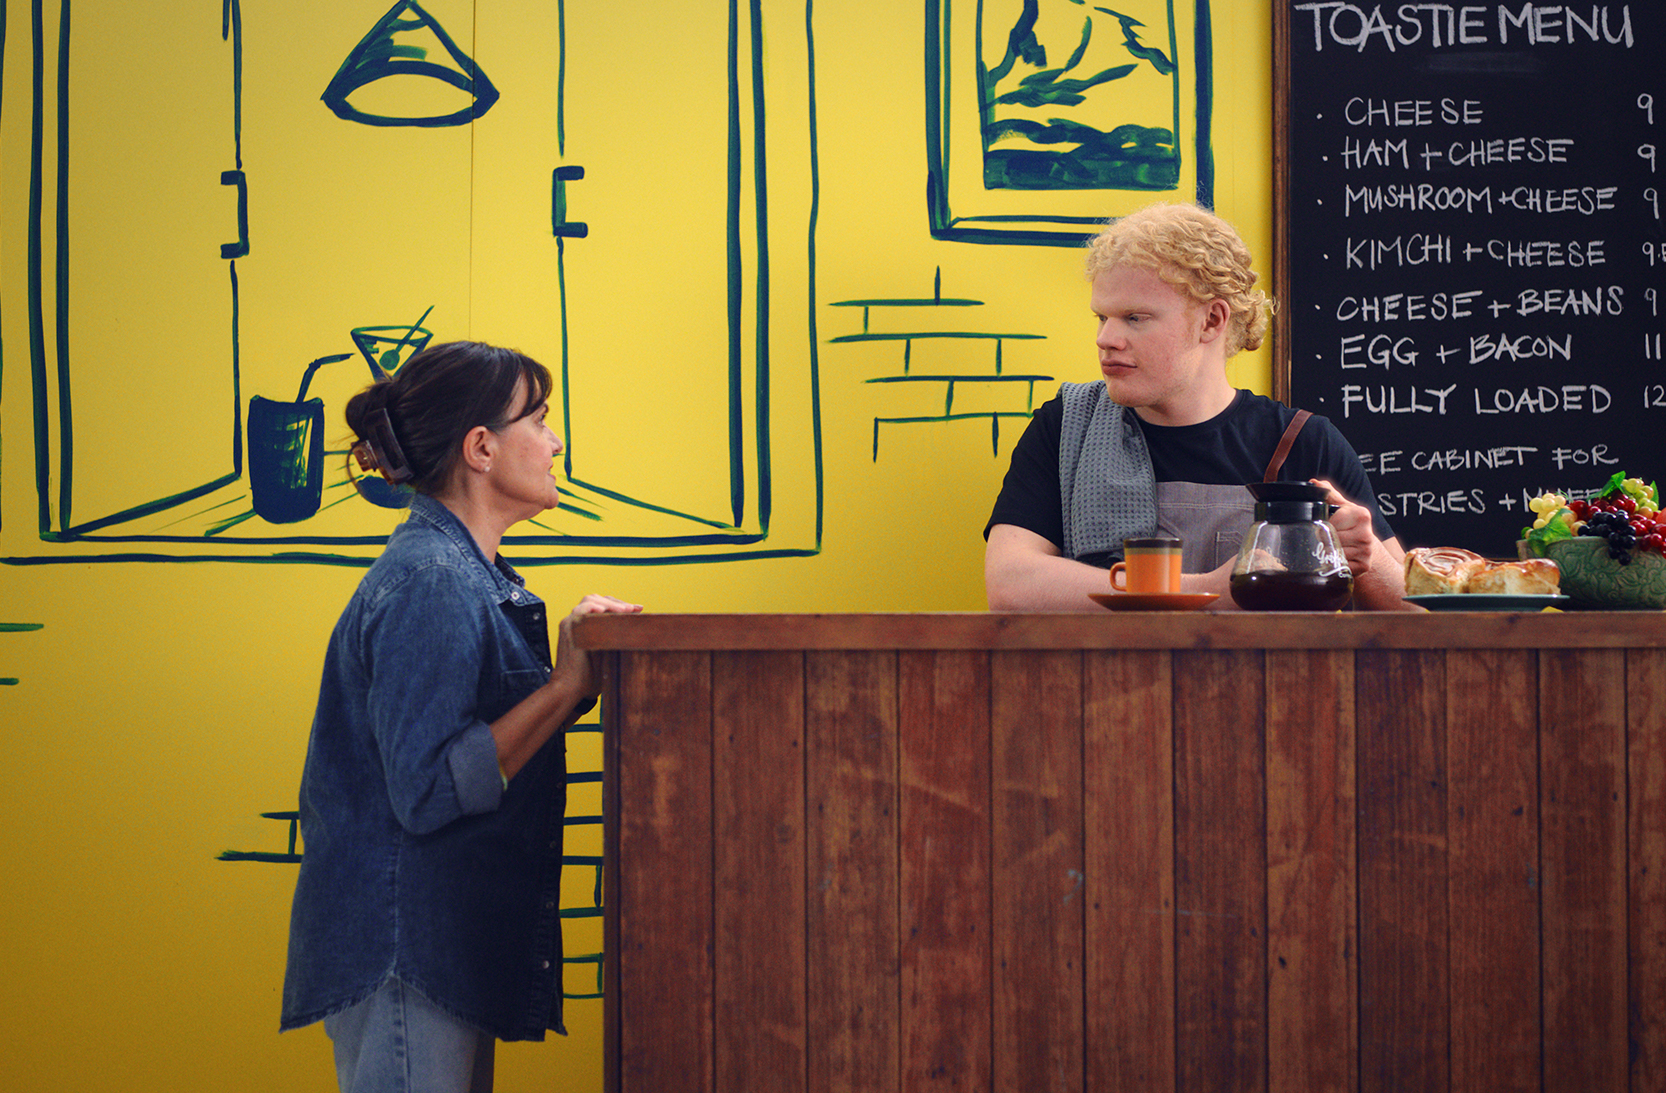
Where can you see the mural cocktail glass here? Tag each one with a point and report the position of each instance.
(385, 348)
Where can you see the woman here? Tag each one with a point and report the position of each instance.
(425, 924)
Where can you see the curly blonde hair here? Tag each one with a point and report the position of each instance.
(1195, 252)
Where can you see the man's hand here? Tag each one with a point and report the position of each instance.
(1023, 571)
(1379, 568)
(1355, 533)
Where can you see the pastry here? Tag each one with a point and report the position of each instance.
(1439, 570)
(1433, 571)
(1533, 577)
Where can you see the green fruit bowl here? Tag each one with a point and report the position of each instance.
(1590, 578)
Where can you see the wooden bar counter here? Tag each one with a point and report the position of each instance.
(1406, 853)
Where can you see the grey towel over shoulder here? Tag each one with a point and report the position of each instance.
(1105, 477)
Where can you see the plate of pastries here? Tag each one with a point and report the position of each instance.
(1455, 579)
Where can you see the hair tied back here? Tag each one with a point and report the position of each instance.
(380, 450)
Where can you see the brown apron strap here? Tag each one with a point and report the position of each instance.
(1284, 444)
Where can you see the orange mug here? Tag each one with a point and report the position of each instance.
(1150, 567)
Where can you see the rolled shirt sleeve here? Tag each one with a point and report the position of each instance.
(427, 651)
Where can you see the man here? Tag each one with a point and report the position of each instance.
(1165, 443)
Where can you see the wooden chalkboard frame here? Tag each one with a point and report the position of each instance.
(1281, 198)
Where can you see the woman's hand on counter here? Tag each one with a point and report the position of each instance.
(574, 667)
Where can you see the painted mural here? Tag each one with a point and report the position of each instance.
(802, 272)
(253, 471)
(380, 149)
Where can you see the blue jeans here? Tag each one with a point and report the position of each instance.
(396, 1041)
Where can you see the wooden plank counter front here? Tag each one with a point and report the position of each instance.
(1129, 852)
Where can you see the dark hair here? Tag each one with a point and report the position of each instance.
(437, 396)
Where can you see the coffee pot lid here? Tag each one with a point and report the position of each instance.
(1291, 512)
(1286, 491)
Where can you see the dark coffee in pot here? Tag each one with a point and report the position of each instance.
(1265, 591)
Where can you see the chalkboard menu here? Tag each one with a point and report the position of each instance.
(1470, 203)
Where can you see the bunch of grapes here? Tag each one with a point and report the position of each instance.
(1625, 513)
(1618, 520)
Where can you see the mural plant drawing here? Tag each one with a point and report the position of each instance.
(1053, 108)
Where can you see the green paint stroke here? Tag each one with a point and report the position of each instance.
(907, 303)
(993, 417)
(587, 958)
(924, 334)
(967, 378)
(810, 246)
(378, 55)
(732, 240)
(12, 680)
(231, 29)
(293, 819)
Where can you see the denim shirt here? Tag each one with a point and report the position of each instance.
(417, 861)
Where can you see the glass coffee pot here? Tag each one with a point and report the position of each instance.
(1290, 560)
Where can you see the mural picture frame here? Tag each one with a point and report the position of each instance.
(973, 199)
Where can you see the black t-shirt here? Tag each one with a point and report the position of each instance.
(1231, 448)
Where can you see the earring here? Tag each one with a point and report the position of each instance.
(488, 468)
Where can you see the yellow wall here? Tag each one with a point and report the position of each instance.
(159, 668)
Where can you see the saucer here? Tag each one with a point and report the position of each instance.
(1153, 601)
